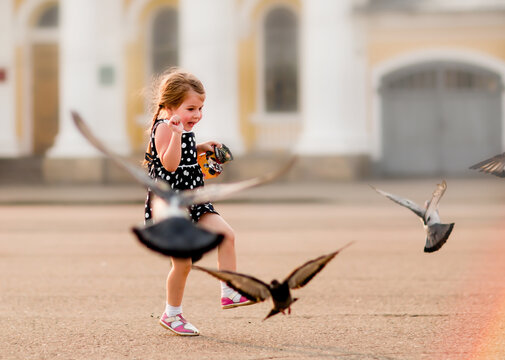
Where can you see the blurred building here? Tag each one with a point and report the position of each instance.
(356, 87)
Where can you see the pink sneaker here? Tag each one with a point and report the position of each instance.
(178, 325)
(234, 300)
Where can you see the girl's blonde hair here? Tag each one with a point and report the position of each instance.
(171, 92)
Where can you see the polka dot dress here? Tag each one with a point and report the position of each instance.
(188, 174)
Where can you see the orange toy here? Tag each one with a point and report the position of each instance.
(211, 162)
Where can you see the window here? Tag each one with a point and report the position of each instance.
(165, 42)
(458, 79)
(450, 76)
(281, 61)
(49, 18)
(417, 80)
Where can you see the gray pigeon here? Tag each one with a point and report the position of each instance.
(175, 235)
(436, 232)
(494, 165)
(258, 291)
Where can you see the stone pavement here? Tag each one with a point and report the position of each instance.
(75, 284)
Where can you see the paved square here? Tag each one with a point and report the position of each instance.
(75, 283)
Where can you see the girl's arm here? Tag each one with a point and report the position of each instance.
(168, 143)
(207, 146)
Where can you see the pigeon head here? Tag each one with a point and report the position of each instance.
(274, 283)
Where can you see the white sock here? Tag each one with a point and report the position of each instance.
(173, 310)
(226, 291)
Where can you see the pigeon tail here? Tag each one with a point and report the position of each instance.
(437, 236)
(271, 313)
(178, 237)
(281, 310)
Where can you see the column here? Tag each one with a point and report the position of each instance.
(8, 140)
(91, 80)
(209, 50)
(110, 98)
(332, 73)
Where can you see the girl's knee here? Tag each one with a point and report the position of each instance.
(181, 266)
(215, 223)
(229, 236)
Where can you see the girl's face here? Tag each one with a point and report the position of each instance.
(190, 111)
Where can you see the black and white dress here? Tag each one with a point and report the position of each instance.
(188, 174)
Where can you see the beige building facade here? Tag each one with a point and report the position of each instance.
(356, 88)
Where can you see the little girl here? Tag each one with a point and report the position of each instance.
(172, 157)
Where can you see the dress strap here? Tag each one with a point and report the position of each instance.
(148, 157)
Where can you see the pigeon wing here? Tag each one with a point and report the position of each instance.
(248, 286)
(435, 198)
(494, 165)
(216, 192)
(159, 188)
(409, 204)
(304, 273)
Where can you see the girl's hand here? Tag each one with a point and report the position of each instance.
(168, 142)
(207, 146)
(175, 124)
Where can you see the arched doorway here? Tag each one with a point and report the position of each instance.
(164, 40)
(439, 117)
(44, 78)
(280, 73)
(277, 118)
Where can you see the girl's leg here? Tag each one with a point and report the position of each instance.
(172, 318)
(226, 257)
(176, 280)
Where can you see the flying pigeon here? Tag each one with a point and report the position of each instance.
(494, 165)
(175, 235)
(436, 232)
(258, 291)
